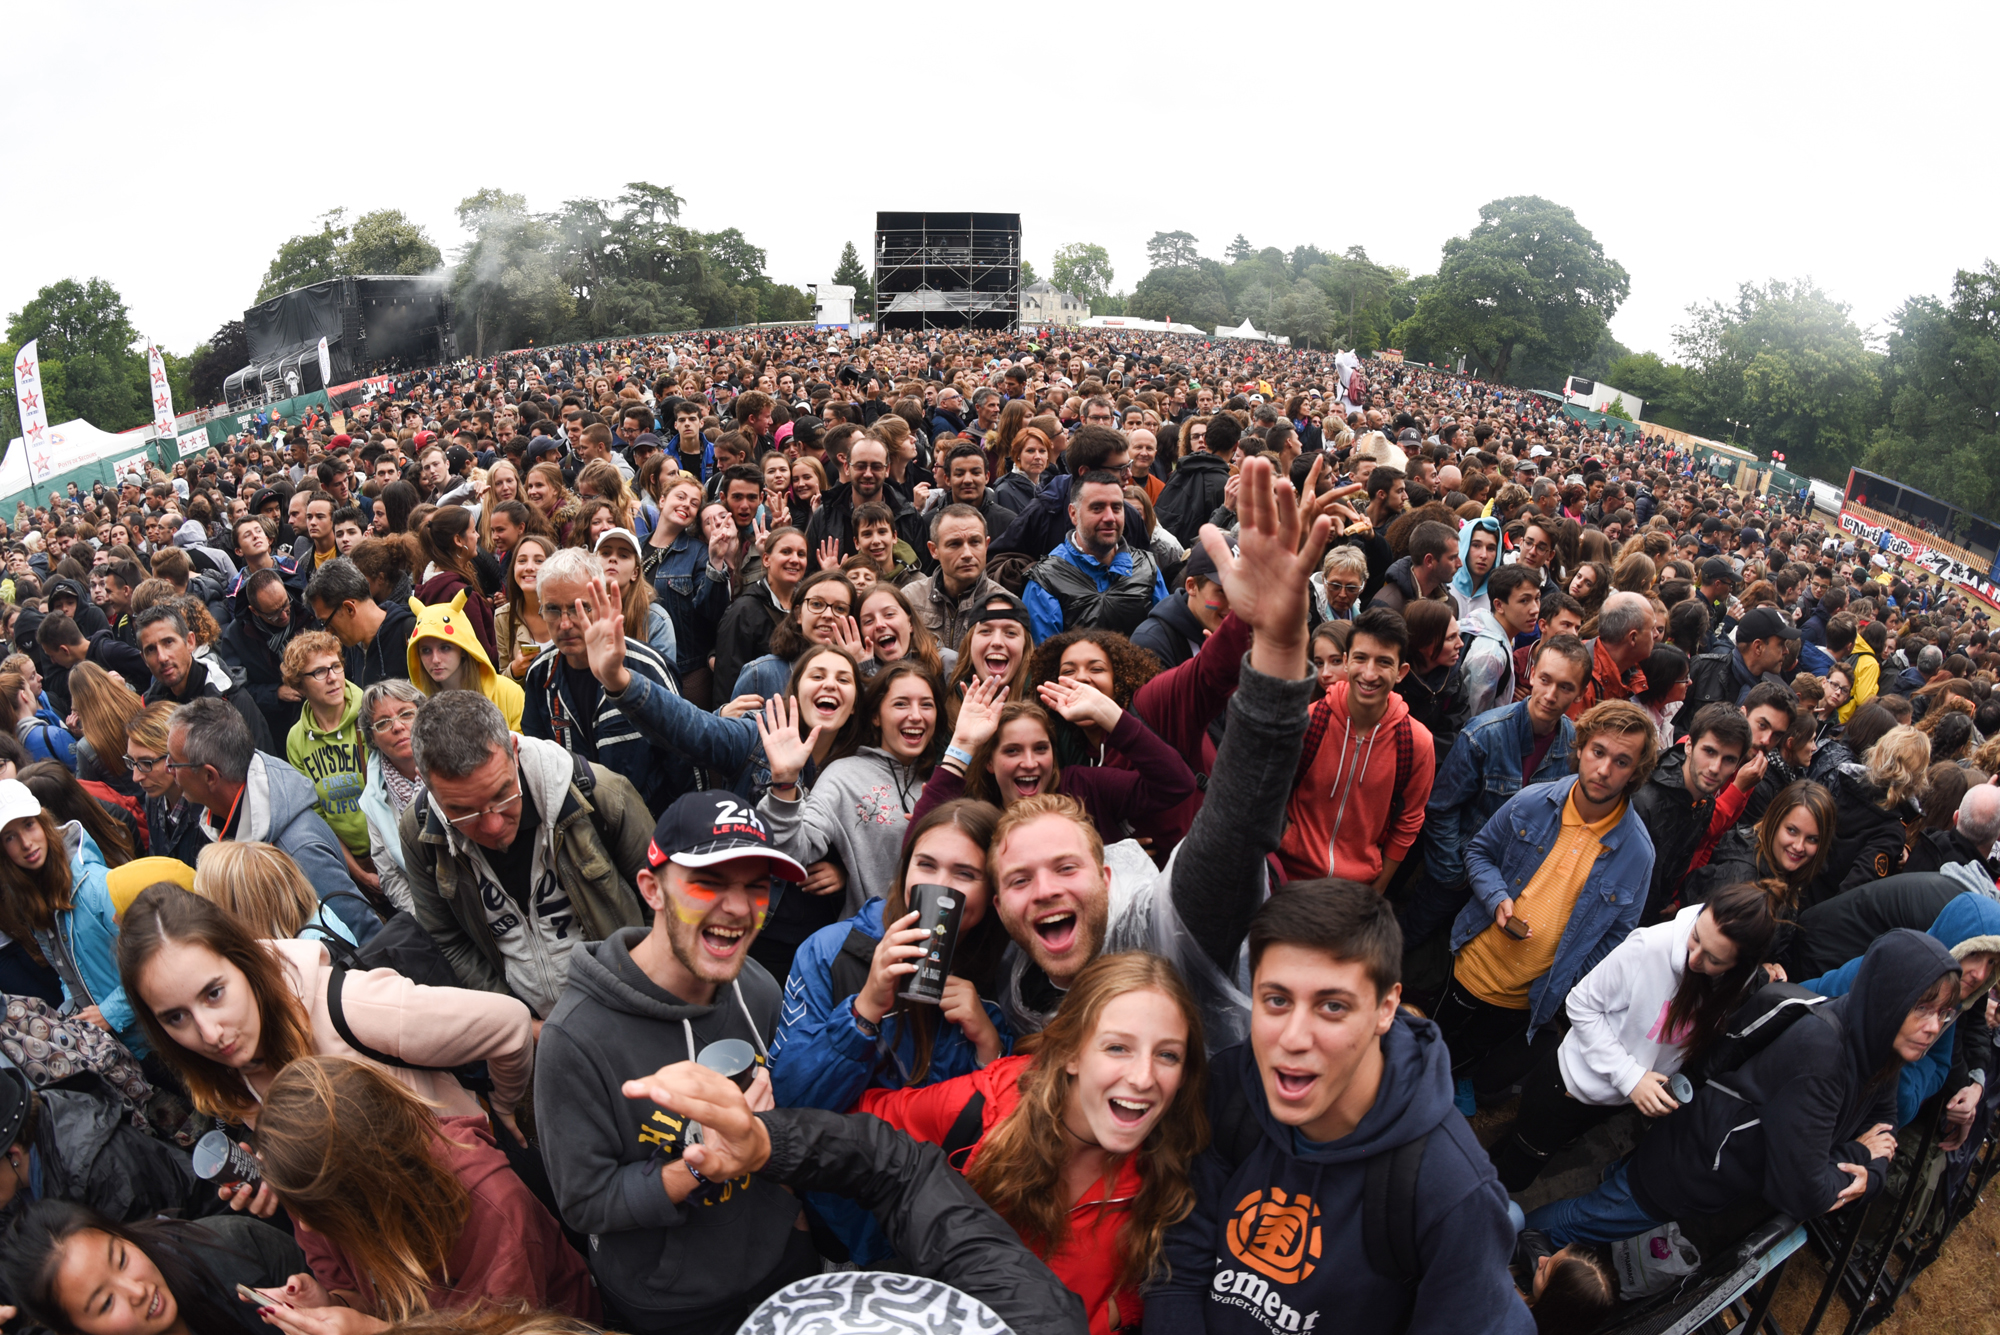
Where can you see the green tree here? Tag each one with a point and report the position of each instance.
(1171, 250)
(850, 273)
(1529, 276)
(226, 352)
(1028, 278)
(1239, 249)
(1083, 269)
(310, 257)
(1354, 285)
(1190, 294)
(1942, 388)
(89, 368)
(1110, 304)
(506, 284)
(386, 242)
(1788, 362)
(1661, 383)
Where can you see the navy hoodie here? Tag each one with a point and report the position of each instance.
(1276, 1244)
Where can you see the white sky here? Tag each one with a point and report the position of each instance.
(1704, 144)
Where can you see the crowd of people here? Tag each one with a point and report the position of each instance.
(1049, 831)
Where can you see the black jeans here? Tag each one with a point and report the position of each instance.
(1428, 907)
(1549, 1121)
(1488, 1043)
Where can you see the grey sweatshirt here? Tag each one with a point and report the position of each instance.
(860, 808)
(662, 1264)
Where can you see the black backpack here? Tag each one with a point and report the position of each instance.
(1754, 1025)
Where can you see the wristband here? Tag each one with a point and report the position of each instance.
(960, 754)
(868, 1027)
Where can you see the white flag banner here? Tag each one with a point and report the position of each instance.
(325, 364)
(193, 442)
(38, 458)
(163, 397)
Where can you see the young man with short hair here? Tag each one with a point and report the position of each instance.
(1559, 878)
(1679, 798)
(1094, 577)
(1513, 609)
(1425, 572)
(1294, 1228)
(960, 586)
(1365, 775)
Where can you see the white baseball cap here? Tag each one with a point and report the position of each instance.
(16, 802)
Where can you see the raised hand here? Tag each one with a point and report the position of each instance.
(1266, 576)
(784, 750)
(829, 554)
(604, 636)
(1080, 702)
(847, 634)
(979, 713)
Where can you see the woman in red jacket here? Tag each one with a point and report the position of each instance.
(1083, 1146)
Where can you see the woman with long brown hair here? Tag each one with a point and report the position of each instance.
(405, 1211)
(229, 1012)
(1086, 1136)
(519, 626)
(55, 901)
(545, 489)
(102, 709)
(455, 565)
(891, 631)
(1783, 852)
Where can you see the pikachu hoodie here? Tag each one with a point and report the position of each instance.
(447, 624)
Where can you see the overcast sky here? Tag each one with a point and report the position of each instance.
(172, 148)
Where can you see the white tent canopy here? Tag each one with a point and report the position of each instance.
(69, 446)
(1247, 331)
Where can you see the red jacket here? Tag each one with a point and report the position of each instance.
(1087, 1263)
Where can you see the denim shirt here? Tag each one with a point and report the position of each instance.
(1504, 856)
(1476, 779)
(694, 602)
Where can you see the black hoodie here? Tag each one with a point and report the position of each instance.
(1780, 1125)
(661, 1264)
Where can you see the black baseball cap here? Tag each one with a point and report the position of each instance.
(1715, 568)
(706, 828)
(1761, 623)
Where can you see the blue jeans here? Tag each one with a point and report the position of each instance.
(1605, 1215)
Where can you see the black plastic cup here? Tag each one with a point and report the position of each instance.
(1681, 1088)
(220, 1160)
(731, 1057)
(939, 912)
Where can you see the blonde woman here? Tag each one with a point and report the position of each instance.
(1875, 806)
(102, 709)
(260, 884)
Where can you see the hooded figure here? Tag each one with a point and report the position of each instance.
(193, 539)
(443, 624)
(1780, 1125)
(1468, 593)
(1969, 924)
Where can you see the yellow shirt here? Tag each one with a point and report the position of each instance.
(1498, 969)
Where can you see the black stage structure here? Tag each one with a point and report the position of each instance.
(947, 270)
(372, 324)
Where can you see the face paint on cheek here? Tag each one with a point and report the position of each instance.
(692, 904)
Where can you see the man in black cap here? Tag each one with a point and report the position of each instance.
(1727, 674)
(1717, 589)
(672, 1249)
(1175, 629)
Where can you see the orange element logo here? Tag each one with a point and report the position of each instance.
(1275, 1235)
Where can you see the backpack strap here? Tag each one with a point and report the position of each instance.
(848, 970)
(1389, 1212)
(966, 1131)
(1406, 757)
(1317, 719)
(337, 979)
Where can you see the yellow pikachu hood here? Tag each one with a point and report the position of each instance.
(447, 624)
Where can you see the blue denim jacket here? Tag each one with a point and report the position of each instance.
(1481, 773)
(1504, 856)
(694, 602)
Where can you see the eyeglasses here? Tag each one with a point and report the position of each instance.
(325, 671)
(820, 607)
(556, 613)
(497, 809)
(142, 764)
(405, 718)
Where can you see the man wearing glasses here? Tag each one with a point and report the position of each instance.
(515, 852)
(253, 796)
(867, 481)
(568, 705)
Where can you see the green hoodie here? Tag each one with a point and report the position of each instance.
(337, 764)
